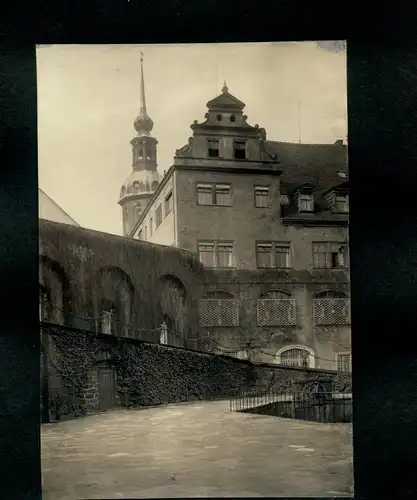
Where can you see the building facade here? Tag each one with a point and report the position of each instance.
(269, 222)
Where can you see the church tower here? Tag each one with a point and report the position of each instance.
(144, 179)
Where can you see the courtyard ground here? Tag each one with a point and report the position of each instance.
(195, 449)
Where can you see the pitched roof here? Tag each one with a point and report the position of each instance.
(317, 164)
(225, 101)
(49, 210)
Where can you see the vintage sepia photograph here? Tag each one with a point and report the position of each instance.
(194, 291)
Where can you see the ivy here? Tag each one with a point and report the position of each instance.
(150, 374)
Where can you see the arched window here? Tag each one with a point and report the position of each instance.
(331, 308)
(276, 308)
(219, 308)
(296, 355)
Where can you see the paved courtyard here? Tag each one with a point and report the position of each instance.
(196, 449)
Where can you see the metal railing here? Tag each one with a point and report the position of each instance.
(326, 407)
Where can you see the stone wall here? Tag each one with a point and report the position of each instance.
(85, 272)
(146, 374)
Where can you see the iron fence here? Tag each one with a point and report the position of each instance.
(326, 407)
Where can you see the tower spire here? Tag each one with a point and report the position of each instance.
(142, 87)
(143, 123)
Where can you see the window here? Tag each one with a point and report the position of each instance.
(296, 356)
(206, 254)
(158, 216)
(205, 194)
(305, 202)
(213, 148)
(224, 254)
(214, 194)
(342, 203)
(344, 362)
(273, 255)
(239, 148)
(150, 226)
(216, 253)
(140, 153)
(276, 308)
(329, 255)
(219, 309)
(331, 308)
(107, 321)
(145, 233)
(261, 197)
(138, 210)
(222, 195)
(168, 203)
(140, 235)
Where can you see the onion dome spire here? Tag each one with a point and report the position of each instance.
(143, 123)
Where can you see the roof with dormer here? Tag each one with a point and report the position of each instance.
(319, 165)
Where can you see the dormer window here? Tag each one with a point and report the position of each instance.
(239, 148)
(341, 203)
(213, 148)
(305, 202)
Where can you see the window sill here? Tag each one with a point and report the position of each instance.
(275, 268)
(212, 205)
(220, 268)
(330, 268)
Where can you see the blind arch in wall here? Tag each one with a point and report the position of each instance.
(117, 293)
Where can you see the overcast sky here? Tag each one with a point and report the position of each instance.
(88, 98)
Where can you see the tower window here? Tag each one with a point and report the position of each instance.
(219, 118)
(140, 153)
(239, 148)
(150, 226)
(232, 118)
(213, 148)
